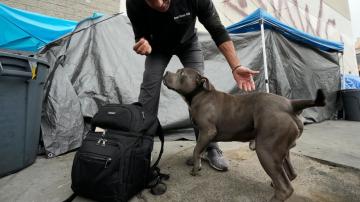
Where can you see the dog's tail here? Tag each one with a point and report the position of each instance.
(299, 105)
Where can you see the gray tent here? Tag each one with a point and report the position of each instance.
(96, 65)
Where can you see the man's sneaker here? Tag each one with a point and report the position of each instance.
(216, 159)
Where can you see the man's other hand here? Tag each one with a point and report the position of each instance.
(142, 47)
(244, 78)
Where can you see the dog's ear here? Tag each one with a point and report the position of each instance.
(206, 84)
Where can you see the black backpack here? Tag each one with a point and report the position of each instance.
(114, 165)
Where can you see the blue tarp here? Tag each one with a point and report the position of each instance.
(28, 31)
(251, 23)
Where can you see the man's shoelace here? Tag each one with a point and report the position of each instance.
(217, 151)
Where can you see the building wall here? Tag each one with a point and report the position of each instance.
(357, 49)
(357, 46)
(67, 9)
(358, 61)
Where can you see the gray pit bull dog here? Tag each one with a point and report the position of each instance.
(271, 120)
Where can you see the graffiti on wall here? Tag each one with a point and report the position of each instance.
(294, 16)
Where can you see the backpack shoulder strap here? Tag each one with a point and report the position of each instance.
(71, 198)
(160, 133)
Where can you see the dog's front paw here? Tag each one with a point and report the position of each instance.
(195, 172)
(252, 145)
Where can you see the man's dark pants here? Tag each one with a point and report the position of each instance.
(190, 55)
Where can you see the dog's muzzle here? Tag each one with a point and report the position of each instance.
(164, 78)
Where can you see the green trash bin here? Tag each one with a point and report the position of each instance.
(21, 92)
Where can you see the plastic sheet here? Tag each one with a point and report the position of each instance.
(351, 81)
(29, 31)
(96, 65)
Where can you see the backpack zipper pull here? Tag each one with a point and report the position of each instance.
(108, 160)
(143, 115)
(103, 142)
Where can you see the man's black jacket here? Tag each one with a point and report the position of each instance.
(175, 28)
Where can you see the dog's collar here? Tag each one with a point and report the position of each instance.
(189, 97)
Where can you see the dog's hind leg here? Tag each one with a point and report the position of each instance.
(272, 147)
(289, 168)
(274, 168)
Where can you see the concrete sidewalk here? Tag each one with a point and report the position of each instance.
(337, 142)
(48, 180)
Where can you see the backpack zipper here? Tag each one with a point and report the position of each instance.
(98, 158)
(107, 162)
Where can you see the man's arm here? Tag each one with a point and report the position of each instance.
(133, 10)
(209, 17)
(137, 18)
(228, 50)
(242, 75)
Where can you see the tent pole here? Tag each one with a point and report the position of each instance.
(264, 55)
(343, 71)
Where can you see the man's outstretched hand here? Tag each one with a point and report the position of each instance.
(142, 47)
(244, 78)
